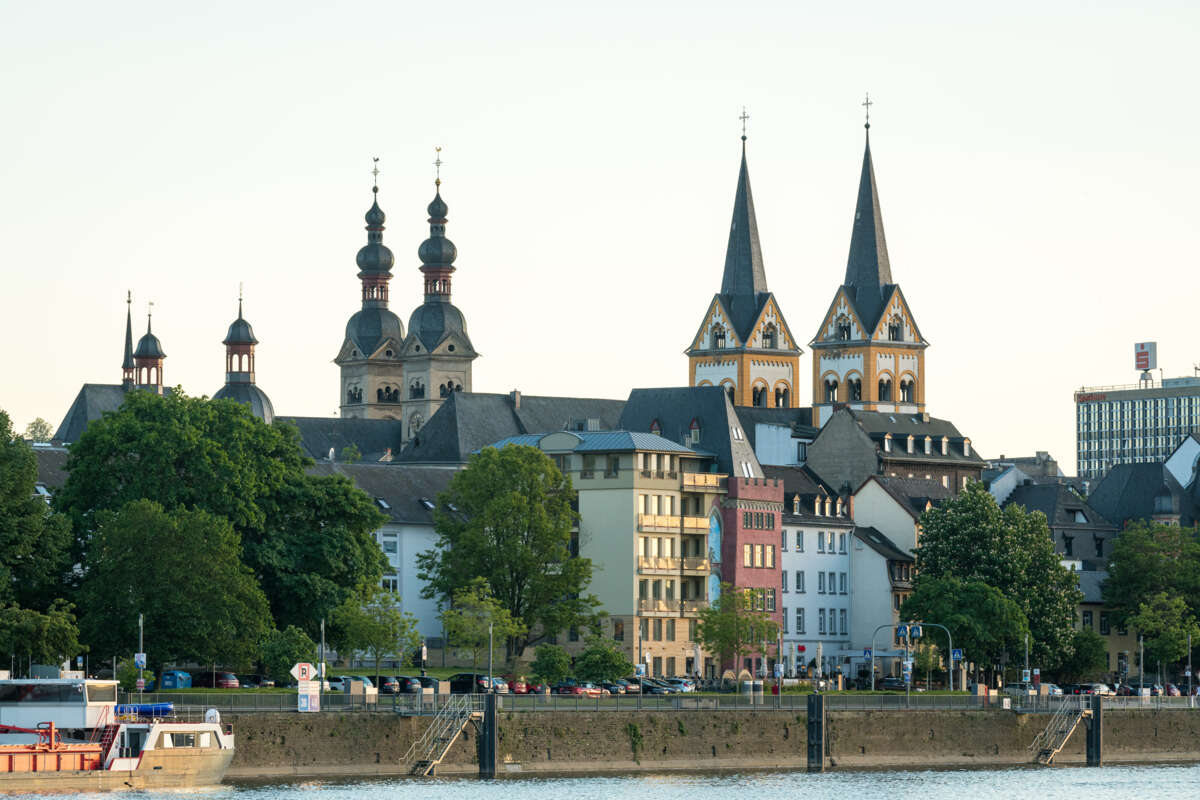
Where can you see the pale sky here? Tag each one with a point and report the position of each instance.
(1036, 163)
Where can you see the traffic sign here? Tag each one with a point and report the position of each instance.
(956, 654)
(139, 660)
(308, 696)
(866, 652)
(303, 671)
(800, 648)
(141, 684)
(779, 670)
(1025, 676)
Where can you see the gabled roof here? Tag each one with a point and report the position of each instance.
(674, 409)
(604, 442)
(51, 466)
(92, 402)
(409, 493)
(912, 494)
(798, 419)
(877, 424)
(868, 268)
(881, 544)
(1091, 583)
(1059, 504)
(744, 282)
(372, 437)
(1127, 493)
(468, 421)
(805, 485)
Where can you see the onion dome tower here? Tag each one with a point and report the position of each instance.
(148, 360)
(239, 370)
(437, 353)
(128, 368)
(371, 372)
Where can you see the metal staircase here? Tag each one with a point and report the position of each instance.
(443, 731)
(1047, 744)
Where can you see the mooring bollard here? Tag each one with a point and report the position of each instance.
(816, 733)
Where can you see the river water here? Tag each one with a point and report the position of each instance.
(1144, 783)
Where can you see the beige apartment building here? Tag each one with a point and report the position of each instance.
(650, 521)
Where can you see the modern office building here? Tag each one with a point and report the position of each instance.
(1139, 423)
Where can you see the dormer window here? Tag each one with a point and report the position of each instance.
(928, 445)
(694, 431)
(966, 447)
(839, 507)
(718, 337)
(655, 428)
(909, 444)
(945, 446)
(769, 337)
(817, 507)
(887, 443)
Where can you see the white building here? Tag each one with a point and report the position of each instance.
(1140, 423)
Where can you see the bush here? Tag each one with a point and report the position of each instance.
(550, 663)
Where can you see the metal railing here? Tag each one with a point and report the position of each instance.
(658, 562)
(704, 479)
(670, 521)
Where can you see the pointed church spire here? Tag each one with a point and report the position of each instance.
(127, 365)
(744, 279)
(868, 269)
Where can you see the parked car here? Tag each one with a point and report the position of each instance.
(389, 685)
(337, 683)
(408, 684)
(1102, 689)
(1053, 690)
(256, 682)
(517, 685)
(367, 684)
(612, 687)
(1019, 689)
(579, 688)
(892, 684)
(1172, 690)
(469, 683)
(214, 680)
(655, 686)
(683, 684)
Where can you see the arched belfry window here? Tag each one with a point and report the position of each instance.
(854, 385)
(718, 336)
(907, 393)
(769, 337)
(783, 397)
(842, 329)
(885, 389)
(831, 390)
(895, 330)
(729, 391)
(759, 396)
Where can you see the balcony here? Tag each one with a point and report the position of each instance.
(695, 524)
(658, 522)
(704, 481)
(655, 606)
(697, 564)
(658, 564)
(694, 606)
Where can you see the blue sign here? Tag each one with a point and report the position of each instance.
(914, 631)
(956, 654)
(866, 652)
(302, 702)
(901, 630)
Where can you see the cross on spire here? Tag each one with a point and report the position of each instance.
(437, 163)
(867, 105)
(375, 173)
(743, 118)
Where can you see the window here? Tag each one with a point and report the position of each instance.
(670, 630)
(833, 583)
(770, 560)
(821, 621)
(885, 390)
(390, 583)
(1068, 545)
(770, 520)
(1087, 620)
(389, 544)
(1104, 624)
(907, 393)
(841, 583)
(800, 581)
(758, 555)
(643, 589)
(1099, 541)
(658, 630)
(618, 630)
(842, 617)
(887, 443)
(747, 519)
(718, 333)
(693, 629)
(644, 630)
(894, 330)
(831, 389)
(747, 555)
(841, 543)
(821, 541)
(785, 618)
(855, 387)
(770, 596)
(768, 337)
(799, 541)
(820, 583)
(799, 620)
(783, 541)
(843, 329)
(783, 575)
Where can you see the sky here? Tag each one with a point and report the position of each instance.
(1035, 162)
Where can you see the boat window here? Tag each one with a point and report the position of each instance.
(102, 694)
(206, 739)
(183, 740)
(63, 693)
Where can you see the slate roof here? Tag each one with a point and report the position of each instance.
(51, 466)
(674, 410)
(1091, 583)
(803, 483)
(92, 402)
(744, 282)
(914, 494)
(468, 421)
(248, 394)
(1059, 504)
(877, 424)
(881, 544)
(1127, 493)
(433, 321)
(868, 269)
(606, 442)
(404, 489)
(799, 419)
(372, 437)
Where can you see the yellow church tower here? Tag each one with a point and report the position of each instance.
(869, 353)
(744, 343)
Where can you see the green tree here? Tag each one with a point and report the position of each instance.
(181, 569)
(281, 650)
(378, 627)
(927, 657)
(471, 612)
(1087, 657)
(732, 628)
(1149, 559)
(550, 664)
(351, 454)
(45, 638)
(1165, 623)
(308, 539)
(972, 539)
(34, 541)
(39, 431)
(602, 660)
(983, 622)
(507, 518)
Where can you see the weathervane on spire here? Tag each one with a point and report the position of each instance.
(375, 174)
(743, 118)
(240, 299)
(128, 297)
(867, 105)
(437, 163)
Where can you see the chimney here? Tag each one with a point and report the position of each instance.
(515, 396)
(925, 416)
(387, 455)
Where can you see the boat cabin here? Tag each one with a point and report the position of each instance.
(70, 703)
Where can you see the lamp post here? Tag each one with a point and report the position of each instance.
(491, 688)
(1141, 664)
(321, 670)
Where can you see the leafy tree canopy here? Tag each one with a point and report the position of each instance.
(507, 518)
(181, 569)
(550, 664)
(378, 627)
(34, 541)
(467, 621)
(307, 538)
(1165, 623)
(1149, 559)
(46, 638)
(970, 538)
(283, 649)
(602, 660)
(983, 622)
(732, 628)
(1087, 657)
(39, 431)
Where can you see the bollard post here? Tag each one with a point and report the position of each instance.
(1095, 733)
(816, 733)
(489, 738)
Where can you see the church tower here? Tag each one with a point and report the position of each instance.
(744, 344)
(128, 367)
(869, 353)
(371, 370)
(239, 370)
(148, 361)
(437, 354)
